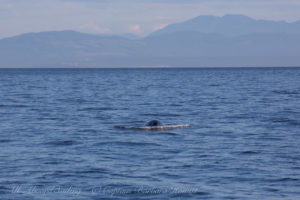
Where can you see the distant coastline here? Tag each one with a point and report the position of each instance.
(205, 41)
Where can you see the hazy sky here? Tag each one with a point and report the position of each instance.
(128, 16)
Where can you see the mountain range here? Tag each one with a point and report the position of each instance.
(205, 41)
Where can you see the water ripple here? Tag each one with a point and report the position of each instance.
(58, 139)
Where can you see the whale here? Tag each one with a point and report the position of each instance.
(154, 125)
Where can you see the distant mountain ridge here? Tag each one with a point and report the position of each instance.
(205, 41)
(232, 25)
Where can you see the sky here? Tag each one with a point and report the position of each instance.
(139, 17)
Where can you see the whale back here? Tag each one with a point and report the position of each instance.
(154, 123)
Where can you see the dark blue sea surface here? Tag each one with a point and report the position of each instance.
(58, 139)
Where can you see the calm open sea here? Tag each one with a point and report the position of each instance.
(58, 139)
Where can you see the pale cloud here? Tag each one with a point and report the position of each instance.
(135, 28)
(159, 26)
(94, 28)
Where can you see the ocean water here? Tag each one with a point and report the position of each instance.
(58, 139)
